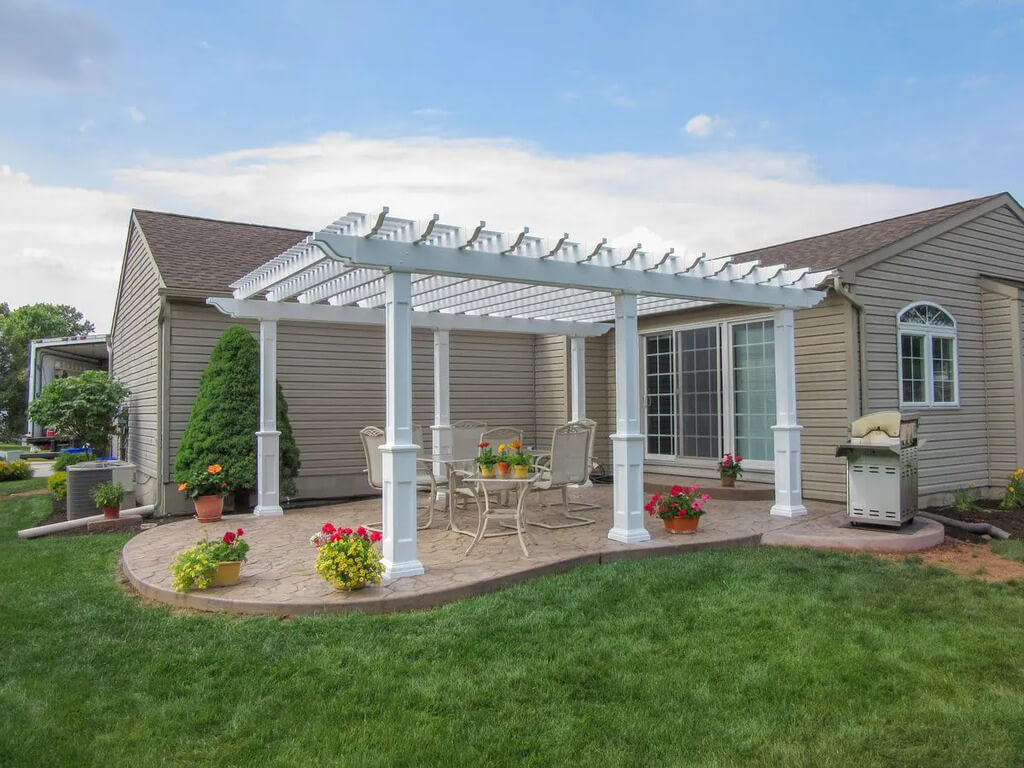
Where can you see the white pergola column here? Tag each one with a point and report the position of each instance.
(400, 557)
(578, 387)
(441, 429)
(788, 487)
(628, 440)
(268, 439)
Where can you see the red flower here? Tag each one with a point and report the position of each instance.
(360, 531)
(345, 531)
(739, 459)
(482, 445)
(726, 462)
(328, 529)
(239, 532)
(375, 536)
(335, 537)
(677, 490)
(229, 537)
(223, 485)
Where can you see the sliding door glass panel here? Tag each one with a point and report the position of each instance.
(661, 394)
(753, 346)
(700, 402)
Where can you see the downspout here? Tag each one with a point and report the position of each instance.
(161, 409)
(862, 339)
(31, 383)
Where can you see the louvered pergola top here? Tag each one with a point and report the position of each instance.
(479, 272)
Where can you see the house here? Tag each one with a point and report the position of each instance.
(923, 312)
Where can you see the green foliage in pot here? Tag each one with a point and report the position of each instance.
(107, 495)
(58, 485)
(195, 567)
(225, 417)
(86, 408)
(14, 470)
(65, 460)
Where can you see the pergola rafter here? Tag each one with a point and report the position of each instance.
(403, 273)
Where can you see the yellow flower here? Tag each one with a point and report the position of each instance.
(1010, 489)
(215, 469)
(1019, 472)
(501, 447)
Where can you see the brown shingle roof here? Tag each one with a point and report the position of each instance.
(836, 248)
(191, 252)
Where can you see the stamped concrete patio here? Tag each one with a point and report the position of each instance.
(279, 578)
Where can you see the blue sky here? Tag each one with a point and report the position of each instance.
(889, 103)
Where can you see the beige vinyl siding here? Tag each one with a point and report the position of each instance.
(598, 351)
(333, 378)
(999, 313)
(944, 270)
(824, 344)
(551, 385)
(134, 351)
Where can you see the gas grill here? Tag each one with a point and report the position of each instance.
(881, 469)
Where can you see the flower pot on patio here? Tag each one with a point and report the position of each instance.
(504, 468)
(522, 471)
(728, 481)
(486, 471)
(348, 588)
(682, 524)
(111, 513)
(228, 573)
(209, 508)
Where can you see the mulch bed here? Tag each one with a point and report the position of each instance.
(1010, 520)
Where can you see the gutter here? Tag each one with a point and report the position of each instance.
(862, 338)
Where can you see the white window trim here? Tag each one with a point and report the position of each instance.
(727, 420)
(928, 332)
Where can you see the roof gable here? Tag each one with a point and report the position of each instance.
(835, 249)
(192, 252)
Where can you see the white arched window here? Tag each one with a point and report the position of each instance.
(927, 349)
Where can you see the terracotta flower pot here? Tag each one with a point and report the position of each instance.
(503, 468)
(227, 574)
(209, 508)
(111, 513)
(728, 481)
(522, 471)
(486, 471)
(681, 524)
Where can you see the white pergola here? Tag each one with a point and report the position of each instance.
(402, 273)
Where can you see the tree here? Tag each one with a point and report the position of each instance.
(86, 408)
(226, 415)
(17, 328)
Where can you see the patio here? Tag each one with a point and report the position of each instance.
(279, 578)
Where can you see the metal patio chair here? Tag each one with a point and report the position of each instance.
(568, 464)
(373, 438)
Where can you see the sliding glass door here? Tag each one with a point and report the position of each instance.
(711, 389)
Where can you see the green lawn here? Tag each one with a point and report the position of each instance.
(756, 657)
(9, 446)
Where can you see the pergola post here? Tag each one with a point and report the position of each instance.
(400, 557)
(268, 438)
(788, 489)
(441, 429)
(628, 440)
(577, 365)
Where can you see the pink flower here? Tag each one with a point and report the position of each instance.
(696, 506)
(706, 498)
(726, 462)
(739, 459)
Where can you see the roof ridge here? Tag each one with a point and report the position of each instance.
(974, 200)
(219, 221)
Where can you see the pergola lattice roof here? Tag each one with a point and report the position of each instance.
(479, 272)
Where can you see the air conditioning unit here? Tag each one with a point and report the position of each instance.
(82, 478)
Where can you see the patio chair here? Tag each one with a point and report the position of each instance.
(373, 438)
(569, 463)
(465, 441)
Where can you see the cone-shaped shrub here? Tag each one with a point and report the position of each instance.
(226, 415)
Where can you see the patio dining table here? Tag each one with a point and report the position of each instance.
(489, 486)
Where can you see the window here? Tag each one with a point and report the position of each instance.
(659, 378)
(700, 404)
(927, 356)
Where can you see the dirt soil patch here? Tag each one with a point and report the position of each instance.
(36, 492)
(970, 560)
(1010, 520)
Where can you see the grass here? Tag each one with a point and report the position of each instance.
(752, 657)
(9, 446)
(1012, 549)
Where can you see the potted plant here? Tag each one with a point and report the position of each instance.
(211, 563)
(519, 461)
(504, 468)
(207, 489)
(486, 460)
(108, 497)
(681, 509)
(347, 558)
(729, 469)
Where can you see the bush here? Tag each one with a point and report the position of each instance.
(86, 408)
(65, 460)
(226, 415)
(58, 485)
(14, 470)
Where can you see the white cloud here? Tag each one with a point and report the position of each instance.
(86, 125)
(703, 125)
(431, 112)
(135, 114)
(617, 97)
(65, 244)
